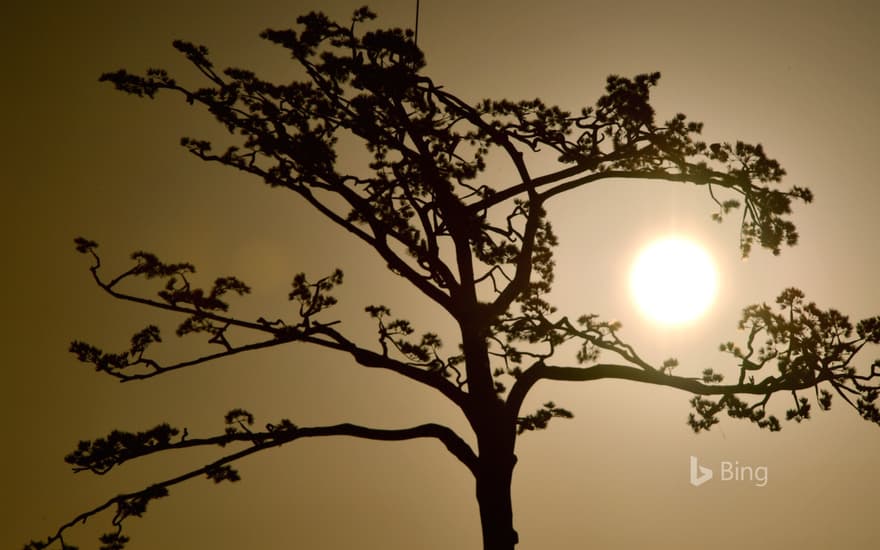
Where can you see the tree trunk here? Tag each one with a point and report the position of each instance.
(496, 437)
(494, 477)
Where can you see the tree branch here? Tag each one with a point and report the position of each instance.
(520, 188)
(372, 359)
(541, 371)
(109, 289)
(309, 331)
(134, 504)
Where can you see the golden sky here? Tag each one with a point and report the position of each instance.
(82, 159)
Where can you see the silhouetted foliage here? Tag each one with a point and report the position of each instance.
(484, 254)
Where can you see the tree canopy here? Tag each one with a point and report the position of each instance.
(480, 250)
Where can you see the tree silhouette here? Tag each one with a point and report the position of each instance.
(483, 253)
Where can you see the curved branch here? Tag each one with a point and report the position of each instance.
(556, 177)
(623, 174)
(541, 371)
(451, 440)
(515, 190)
(372, 359)
(262, 441)
(285, 431)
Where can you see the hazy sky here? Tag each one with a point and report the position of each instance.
(82, 159)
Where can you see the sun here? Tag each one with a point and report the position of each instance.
(673, 280)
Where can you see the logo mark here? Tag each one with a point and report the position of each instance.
(699, 474)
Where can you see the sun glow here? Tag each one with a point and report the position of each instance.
(673, 281)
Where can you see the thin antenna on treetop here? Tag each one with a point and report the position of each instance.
(417, 24)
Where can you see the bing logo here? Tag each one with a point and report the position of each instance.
(730, 471)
